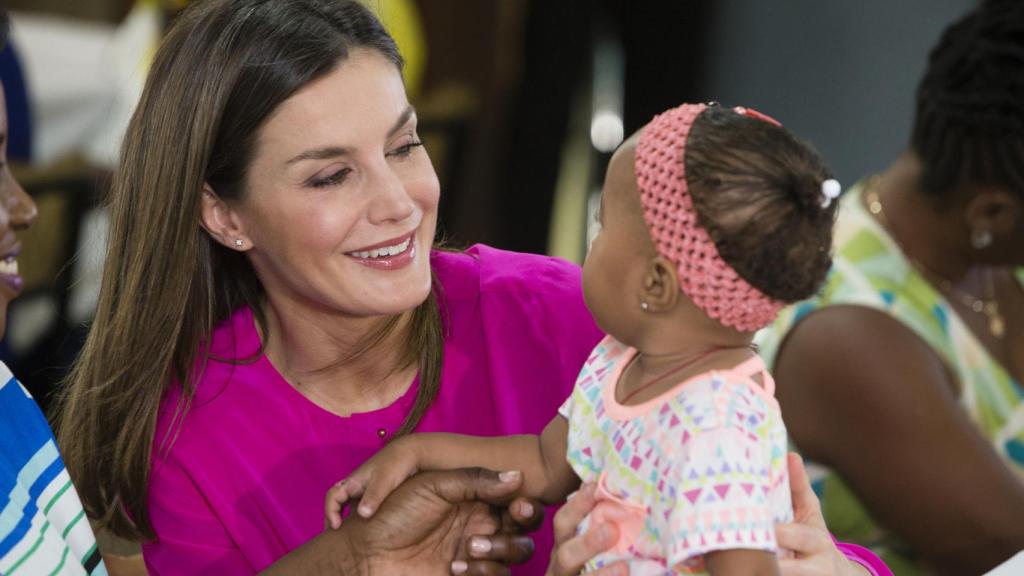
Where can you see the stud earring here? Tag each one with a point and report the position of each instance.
(239, 242)
(645, 306)
(981, 239)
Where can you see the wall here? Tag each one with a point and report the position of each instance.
(840, 74)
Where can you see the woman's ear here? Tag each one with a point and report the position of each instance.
(995, 212)
(222, 222)
(660, 290)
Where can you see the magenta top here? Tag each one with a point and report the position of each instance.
(244, 482)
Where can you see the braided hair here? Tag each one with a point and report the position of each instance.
(5, 27)
(969, 119)
(757, 190)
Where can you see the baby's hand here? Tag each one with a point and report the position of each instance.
(373, 481)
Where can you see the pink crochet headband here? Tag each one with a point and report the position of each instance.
(704, 277)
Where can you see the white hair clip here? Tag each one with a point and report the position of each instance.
(830, 190)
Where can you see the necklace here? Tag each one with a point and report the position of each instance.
(986, 305)
(690, 361)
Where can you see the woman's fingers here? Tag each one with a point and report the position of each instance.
(523, 515)
(573, 512)
(571, 556)
(806, 508)
(479, 568)
(801, 540)
(507, 548)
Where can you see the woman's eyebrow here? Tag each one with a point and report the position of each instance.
(335, 151)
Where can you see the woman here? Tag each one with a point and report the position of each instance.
(272, 313)
(917, 342)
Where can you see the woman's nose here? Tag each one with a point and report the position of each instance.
(391, 201)
(23, 210)
(17, 209)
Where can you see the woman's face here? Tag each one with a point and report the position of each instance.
(17, 212)
(341, 199)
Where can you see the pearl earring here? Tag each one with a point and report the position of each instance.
(981, 239)
(239, 242)
(645, 306)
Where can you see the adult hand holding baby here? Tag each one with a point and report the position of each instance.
(422, 525)
(815, 553)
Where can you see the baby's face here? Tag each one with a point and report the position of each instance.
(615, 265)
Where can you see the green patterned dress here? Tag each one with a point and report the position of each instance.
(870, 270)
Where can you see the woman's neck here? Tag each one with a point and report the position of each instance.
(336, 360)
(932, 238)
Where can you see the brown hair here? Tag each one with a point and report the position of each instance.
(222, 69)
(757, 191)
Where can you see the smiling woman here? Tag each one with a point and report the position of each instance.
(272, 310)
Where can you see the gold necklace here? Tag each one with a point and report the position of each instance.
(987, 305)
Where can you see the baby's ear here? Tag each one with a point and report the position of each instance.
(661, 285)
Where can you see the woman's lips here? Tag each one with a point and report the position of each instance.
(388, 255)
(9, 273)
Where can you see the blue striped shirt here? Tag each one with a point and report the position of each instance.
(43, 529)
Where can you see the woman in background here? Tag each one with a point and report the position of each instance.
(903, 379)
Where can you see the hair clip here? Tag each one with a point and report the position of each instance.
(751, 113)
(830, 190)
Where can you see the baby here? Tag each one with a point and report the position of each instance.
(712, 219)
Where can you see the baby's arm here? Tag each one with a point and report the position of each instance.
(742, 562)
(541, 460)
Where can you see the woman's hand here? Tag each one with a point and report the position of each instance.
(572, 551)
(815, 554)
(491, 554)
(419, 529)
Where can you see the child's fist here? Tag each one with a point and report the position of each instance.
(373, 481)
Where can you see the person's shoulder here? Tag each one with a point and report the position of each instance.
(224, 370)
(482, 271)
(502, 270)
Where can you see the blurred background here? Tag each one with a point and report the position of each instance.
(520, 101)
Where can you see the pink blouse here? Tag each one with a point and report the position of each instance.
(244, 482)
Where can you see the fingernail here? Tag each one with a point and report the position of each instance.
(365, 510)
(479, 546)
(571, 495)
(589, 488)
(510, 475)
(526, 509)
(458, 567)
(604, 533)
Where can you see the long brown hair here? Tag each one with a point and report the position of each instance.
(222, 69)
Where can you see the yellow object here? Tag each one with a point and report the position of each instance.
(403, 22)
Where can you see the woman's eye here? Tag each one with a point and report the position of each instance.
(403, 151)
(335, 178)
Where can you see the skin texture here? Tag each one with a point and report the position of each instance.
(17, 212)
(844, 362)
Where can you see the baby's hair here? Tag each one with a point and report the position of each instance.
(969, 120)
(757, 190)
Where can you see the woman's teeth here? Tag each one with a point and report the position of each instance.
(384, 252)
(9, 266)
